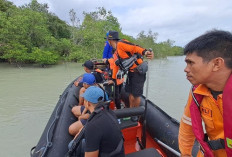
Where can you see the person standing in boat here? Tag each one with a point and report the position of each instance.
(103, 136)
(129, 58)
(107, 51)
(113, 80)
(209, 68)
(108, 58)
(116, 82)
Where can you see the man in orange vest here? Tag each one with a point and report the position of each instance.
(117, 82)
(125, 52)
(209, 67)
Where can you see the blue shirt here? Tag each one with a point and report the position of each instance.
(107, 52)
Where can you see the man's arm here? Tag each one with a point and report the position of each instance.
(92, 154)
(106, 49)
(134, 49)
(186, 137)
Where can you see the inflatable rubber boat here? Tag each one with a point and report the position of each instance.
(156, 133)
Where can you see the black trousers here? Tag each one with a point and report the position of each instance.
(117, 99)
(114, 92)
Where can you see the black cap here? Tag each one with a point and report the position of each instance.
(112, 35)
(88, 64)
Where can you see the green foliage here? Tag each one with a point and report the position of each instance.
(31, 34)
(162, 49)
(57, 27)
(147, 40)
(89, 36)
(16, 53)
(64, 47)
(78, 54)
(44, 57)
(37, 7)
(6, 6)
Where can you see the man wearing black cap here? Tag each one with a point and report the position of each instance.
(124, 51)
(89, 68)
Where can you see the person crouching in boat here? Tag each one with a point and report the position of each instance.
(209, 68)
(103, 137)
(80, 111)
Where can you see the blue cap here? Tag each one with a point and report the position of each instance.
(93, 94)
(88, 78)
(107, 34)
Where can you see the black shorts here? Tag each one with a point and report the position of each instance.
(83, 121)
(135, 83)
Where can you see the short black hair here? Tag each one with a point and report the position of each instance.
(89, 65)
(212, 44)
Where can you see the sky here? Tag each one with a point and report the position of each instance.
(178, 20)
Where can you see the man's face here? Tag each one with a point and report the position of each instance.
(109, 41)
(85, 85)
(112, 43)
(197, 71)
(85, 69)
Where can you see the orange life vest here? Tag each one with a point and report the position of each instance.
(114, 68)
(197, 121)
(126, 49)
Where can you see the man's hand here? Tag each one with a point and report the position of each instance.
(104, 60)
(76, 83)
(84, 116)
(110, 82)
(149, 54)
(81, 117)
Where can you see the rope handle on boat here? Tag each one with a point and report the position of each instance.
(145, 111)
(32, 149)
(44, 149)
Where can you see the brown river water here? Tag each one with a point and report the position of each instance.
(28, 96)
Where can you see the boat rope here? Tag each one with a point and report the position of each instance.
(143, 138)
(49, 143)
(44, 149)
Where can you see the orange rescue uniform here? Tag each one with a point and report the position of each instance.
(124, 46)
(114, 68)
(212, 116)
